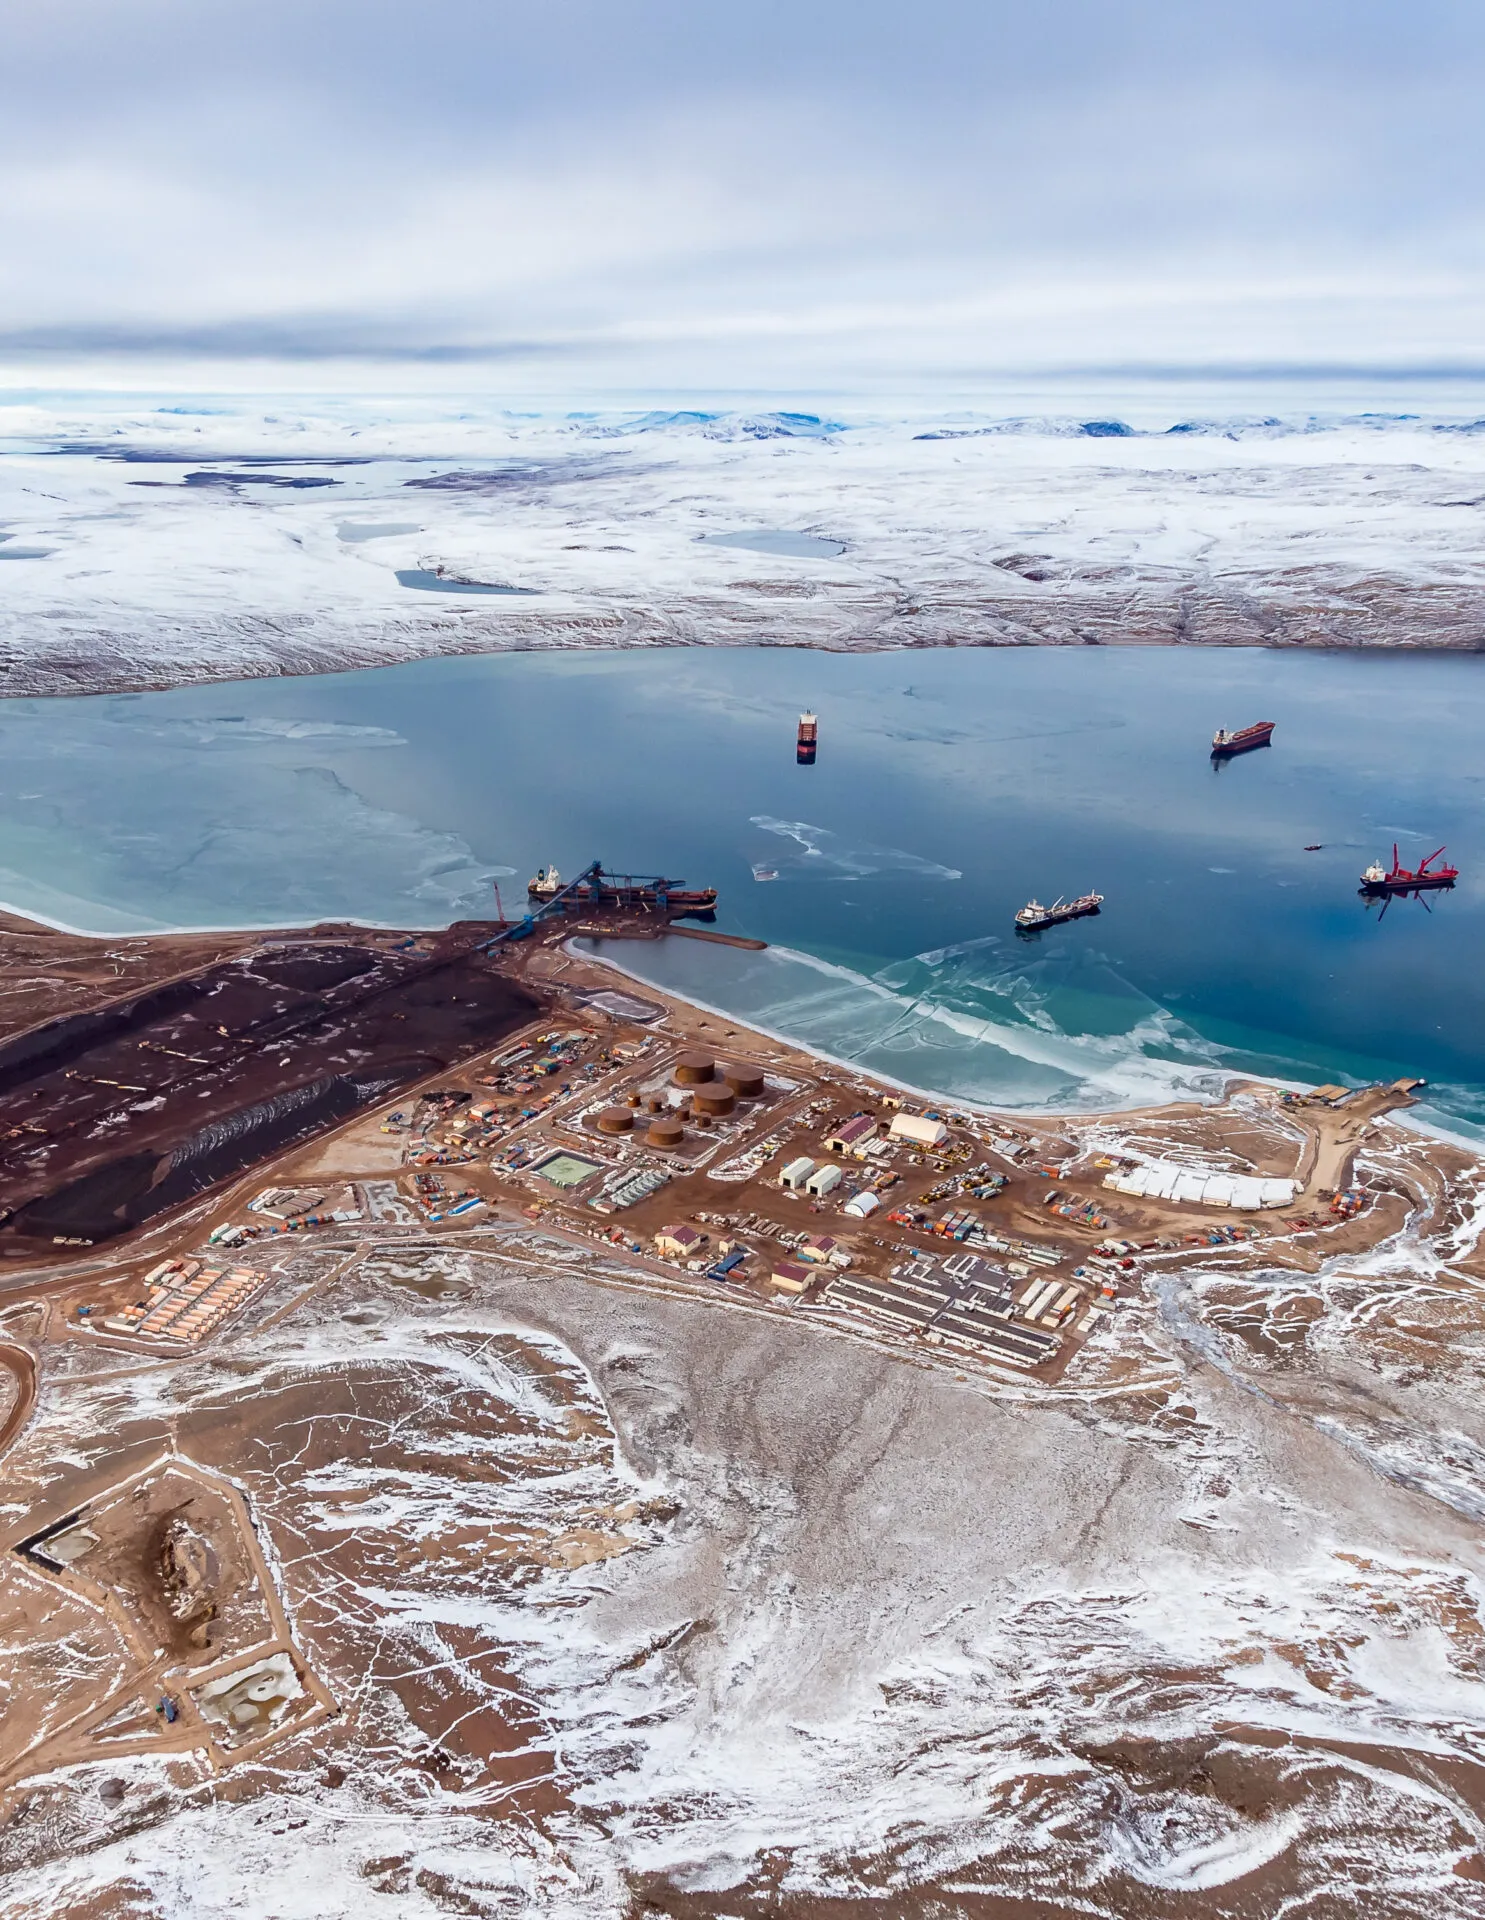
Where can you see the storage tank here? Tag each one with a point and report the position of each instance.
(745, 1082)
(615, 1120)
(714, 1101)
(694, 1069)
(666, 1130)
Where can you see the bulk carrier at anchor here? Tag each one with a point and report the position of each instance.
(1225, 744)
(1034, 916)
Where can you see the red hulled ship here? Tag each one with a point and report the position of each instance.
(1225, 744)
(1379, 880)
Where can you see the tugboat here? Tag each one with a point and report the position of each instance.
(1034, 916)
(1379, 881)
(1225, 744)
(544, 883)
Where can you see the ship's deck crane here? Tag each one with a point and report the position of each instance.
(594, 887)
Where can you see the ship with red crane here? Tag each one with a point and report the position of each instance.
(1379, 881)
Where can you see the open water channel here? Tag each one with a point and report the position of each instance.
(950, 786)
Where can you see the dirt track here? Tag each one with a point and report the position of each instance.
(19, 1362)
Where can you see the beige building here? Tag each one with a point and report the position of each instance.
(679, 1243)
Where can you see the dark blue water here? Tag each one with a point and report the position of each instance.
(950, 786)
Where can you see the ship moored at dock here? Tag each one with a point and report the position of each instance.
(1225, 744)
(1034, 916)
(596, 888)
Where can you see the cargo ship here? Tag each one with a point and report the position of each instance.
(1225, 744)
(1379, 880)
(1034, 916)
(596, 888)
(809, 728)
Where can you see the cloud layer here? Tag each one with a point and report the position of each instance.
(646, 192)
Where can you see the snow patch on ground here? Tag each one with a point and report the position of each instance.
(164, 557)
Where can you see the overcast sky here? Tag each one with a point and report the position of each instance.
(681, 192)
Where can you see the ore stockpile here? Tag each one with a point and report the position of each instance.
(112, 1117)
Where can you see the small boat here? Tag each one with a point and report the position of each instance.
(765, 873)
(1318, 847)
(1378, 880)
(1225, 744)
(1034, 916)
(544, 883)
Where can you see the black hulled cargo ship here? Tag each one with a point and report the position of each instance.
(1034, 916)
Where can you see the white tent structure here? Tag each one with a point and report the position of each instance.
(1196, 1186)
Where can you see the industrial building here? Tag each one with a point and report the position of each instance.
(1199, 1186)
(679, 1243)
(852, 1135)
(942, 1308)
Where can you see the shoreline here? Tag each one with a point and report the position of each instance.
(1231, 1078)
(14, 920)
(368, 657)
(28, 921)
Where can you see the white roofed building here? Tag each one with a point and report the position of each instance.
(1199, 1187)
